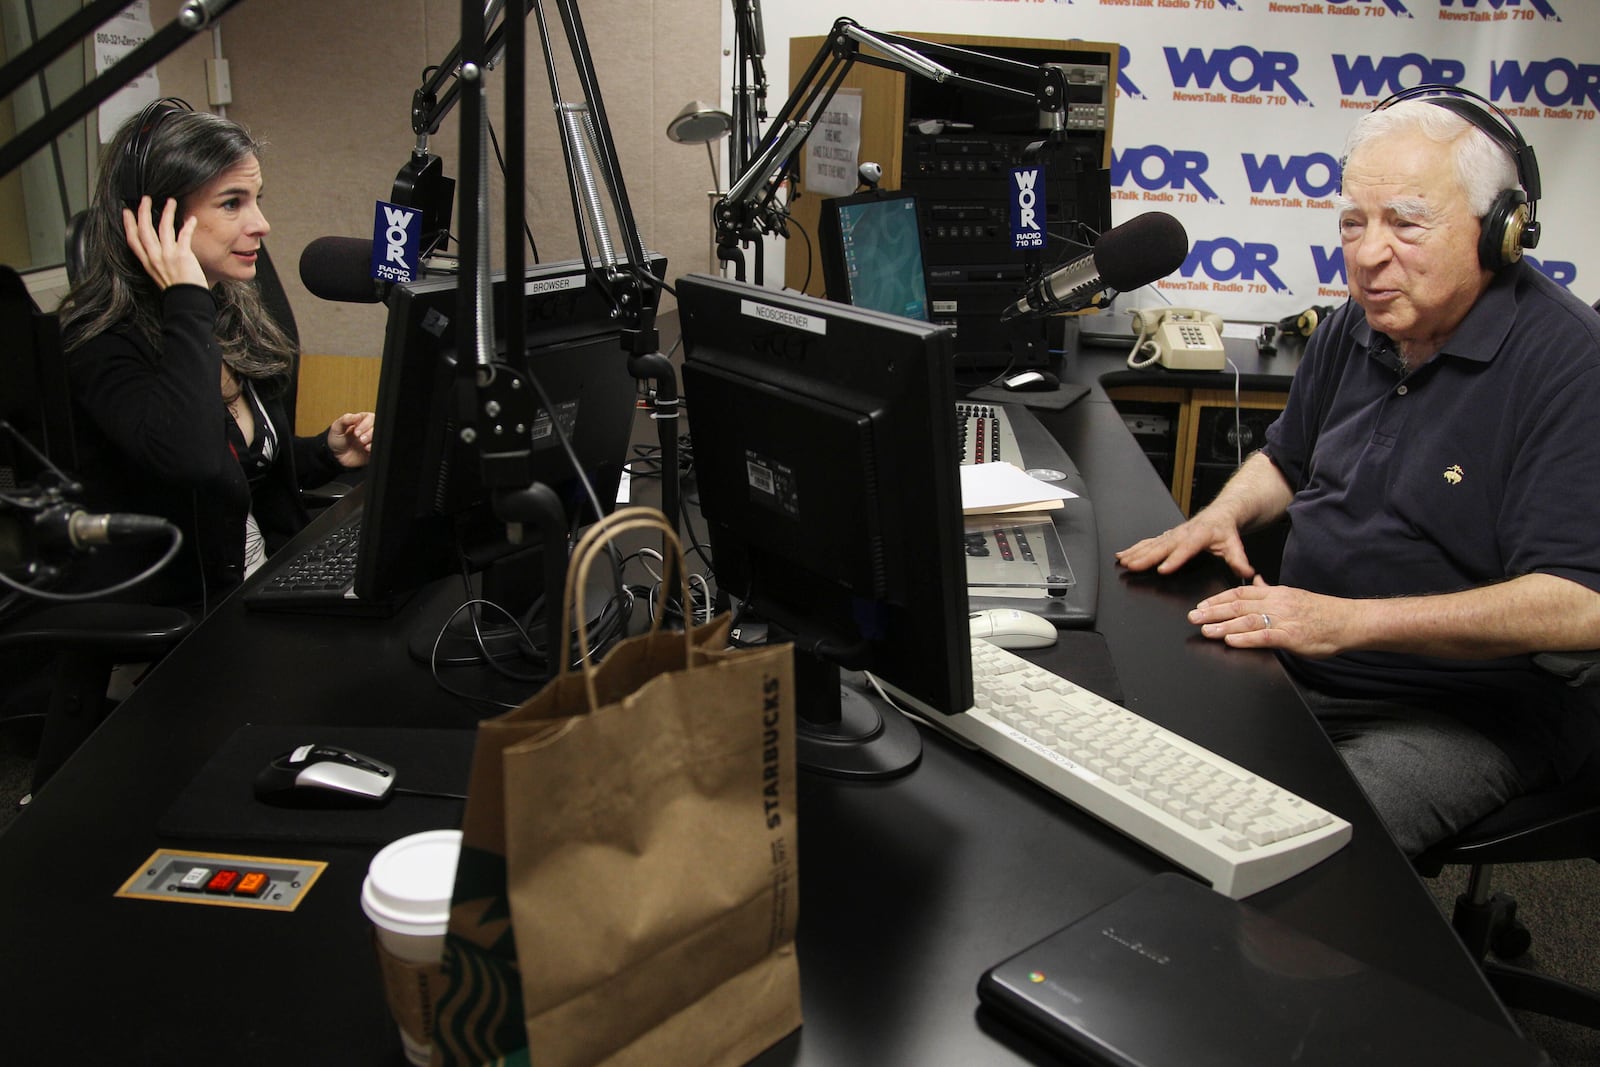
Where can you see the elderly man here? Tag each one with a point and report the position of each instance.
(1436, 460)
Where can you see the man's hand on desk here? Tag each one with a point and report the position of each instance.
(1256, 495)
(1171, 549)
(1256, 615)
(1519, 616)
(1259, 615)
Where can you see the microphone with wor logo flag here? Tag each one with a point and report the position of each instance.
(358, 271)
(396, 243)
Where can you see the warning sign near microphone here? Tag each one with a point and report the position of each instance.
(1027, 207)
(833, 150)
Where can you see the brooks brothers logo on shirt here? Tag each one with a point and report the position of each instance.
(1453, 474)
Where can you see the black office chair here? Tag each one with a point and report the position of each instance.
(277, 302)
(1557, 824)
(75, 250)
(55, 658)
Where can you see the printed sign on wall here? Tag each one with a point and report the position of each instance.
(835, 143)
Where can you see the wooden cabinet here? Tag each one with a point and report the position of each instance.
(1196, 437)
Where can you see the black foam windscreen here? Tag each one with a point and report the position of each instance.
(1141, 250)
(340, 268)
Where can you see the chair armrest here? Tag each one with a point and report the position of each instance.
(1559, 823)
(131, 630)
(325, 495)
(1575, 668)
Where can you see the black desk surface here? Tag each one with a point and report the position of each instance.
(909, 888)
(1108, 366)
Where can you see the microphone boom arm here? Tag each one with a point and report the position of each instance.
(496, 403)
(750, 84)
(748, 211)
(193, 16)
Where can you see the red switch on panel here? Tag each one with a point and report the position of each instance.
(222, 882)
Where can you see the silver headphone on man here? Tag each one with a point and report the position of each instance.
(1511, 225)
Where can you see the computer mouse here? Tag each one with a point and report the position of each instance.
(322, 776)
(1010, 628)
(1031, 381)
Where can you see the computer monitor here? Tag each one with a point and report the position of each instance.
(826, 465)
(871, 250)
(427, 512)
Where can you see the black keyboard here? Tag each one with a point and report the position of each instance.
(318, 578)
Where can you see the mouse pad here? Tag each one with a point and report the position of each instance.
(220, 803)
(1050, 400)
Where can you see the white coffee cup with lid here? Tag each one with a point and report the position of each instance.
(407, 896)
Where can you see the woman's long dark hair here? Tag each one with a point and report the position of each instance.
(186, 150)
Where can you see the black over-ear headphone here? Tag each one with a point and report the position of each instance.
(136, 152)
(1510, 226)
(1301, 325)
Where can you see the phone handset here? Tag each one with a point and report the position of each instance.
(1177, 338)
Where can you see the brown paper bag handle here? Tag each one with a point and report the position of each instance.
(590, 545)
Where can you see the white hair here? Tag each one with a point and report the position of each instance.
(1484, 167)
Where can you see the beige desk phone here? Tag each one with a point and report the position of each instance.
(1177, 338)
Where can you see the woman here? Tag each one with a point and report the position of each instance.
(179, 374)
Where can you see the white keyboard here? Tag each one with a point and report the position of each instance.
(1212, 817)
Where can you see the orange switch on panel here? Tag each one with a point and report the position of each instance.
(252, 884)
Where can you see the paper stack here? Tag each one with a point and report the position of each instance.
(1005, 489)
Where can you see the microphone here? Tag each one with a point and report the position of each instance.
(71, 525)
(84, 530)
(340, 268)
(23, 536)
(1141, 250)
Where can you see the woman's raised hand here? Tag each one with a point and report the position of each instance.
(163, 248)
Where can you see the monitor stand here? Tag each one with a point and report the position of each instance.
(843, 731)
(443, 634)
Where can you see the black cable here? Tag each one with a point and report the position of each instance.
(501, 160)
(650, 457)
(199, 557)
(424, 793)
(475, 617)
(607, 629)
(438, 679)
(810, 253)
(695, 547)
(99, 594)
(659, 283)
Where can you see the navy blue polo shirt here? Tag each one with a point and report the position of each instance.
(1479, 466)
